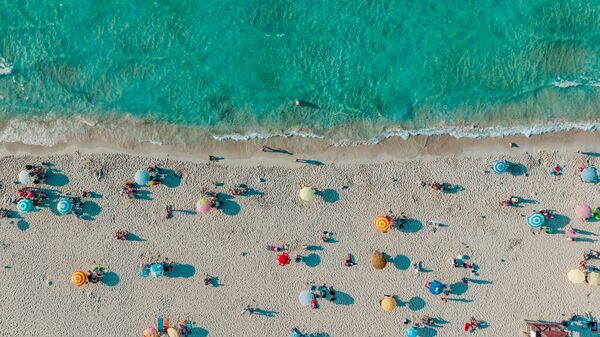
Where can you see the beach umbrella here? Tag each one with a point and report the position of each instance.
(78, 278)
(536, 220)
(150, 332)
(583, 211)
(388, 303)
(411, 332)
(305, 298)
(500, 166)
(142, 177)
(576, 276)
(593, 278)
(295, 333)
(143, 270)
(382, 224)
(283, 258)
(157, 269)
(64, 206)
(307, 193)
(203, 205)
(589, 175)
(24, 206)
(24, 177)
(172, 332)
(436, 287)
(378, 260)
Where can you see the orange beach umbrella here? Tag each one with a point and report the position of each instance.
(78, 278)
(382, 224)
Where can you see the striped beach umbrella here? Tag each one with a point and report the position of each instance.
(24, 206)
(64, 206)
(589, 175)
(150, 332)
(172, 332)
(536, 220)
(305, 298)
(24, 177)
(203, 205)
(78, 278)
(500, 166)
(142, 177)
(307, 193)
(382, 224)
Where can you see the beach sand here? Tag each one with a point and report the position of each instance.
(521, 275)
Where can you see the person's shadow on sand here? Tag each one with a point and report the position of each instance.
(199, 332)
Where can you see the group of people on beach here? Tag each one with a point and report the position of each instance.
(39, 173)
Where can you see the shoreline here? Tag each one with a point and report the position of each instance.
(247, 153)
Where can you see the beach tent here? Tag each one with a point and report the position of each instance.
(203, 205)
(172, 332)
(24, 206)
(536, 220)
(382, 224)
(388, 303)
(64, 206)
(378, 260)
(305, 298)
(576, 276)
(307, 193)
(142, 177)
(150, 332)
(589, 175)
(157, 269)
(436, 287)
(411, 332)
(583, 211)
(24, 177)
(283, 258)
(593, 278)
(500, 166)
(78, 278)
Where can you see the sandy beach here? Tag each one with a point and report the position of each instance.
(521, 275)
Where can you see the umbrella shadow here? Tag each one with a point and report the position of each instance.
(133, 237)
(314, 248)
(90, 210)
(342, 298)
(559, 221)
(22, 225)
(453, 189)
(55, 178)
(182, 271)
(458, 288)
(229, 206)
(416, 303)
(401, 262)
(266, 313)
(170, 178)
(412, 225)
(427, 332)
(110, 279)
(482, 324)
(310, 162)
(52, 197)
(312, 260)
(329, 195)
(199, 332)
(517, 169)
(214, 282)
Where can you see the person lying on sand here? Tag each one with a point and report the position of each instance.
(239, 189)
(121, 235)
(207, 280)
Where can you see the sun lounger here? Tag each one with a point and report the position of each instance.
(159, 324)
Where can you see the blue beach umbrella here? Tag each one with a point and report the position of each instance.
(589, 175)
(500, 166)
(142, 177)
(157, 269)
(143, 270)
(64, 206)
(436, 287)
(24, 206)
(295, 333)
(411, 332)
(305, 298)
(536, 220)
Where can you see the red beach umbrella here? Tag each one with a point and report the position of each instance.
(283, 259)
(583, 211)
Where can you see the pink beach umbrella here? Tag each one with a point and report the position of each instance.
(583, 211)
(203, 205)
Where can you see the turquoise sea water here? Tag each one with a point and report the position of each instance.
(235, 67)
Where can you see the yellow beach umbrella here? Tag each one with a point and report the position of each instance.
(576, 276)
(378, 260)
(593, 278)
(388, 303)
(172, 332)
(307, 193)
(78, 278)
(382, 224)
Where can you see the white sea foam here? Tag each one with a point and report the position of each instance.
(5, 67)
(258, 135)
(569, 83)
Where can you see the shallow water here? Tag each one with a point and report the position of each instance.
(233, 68)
